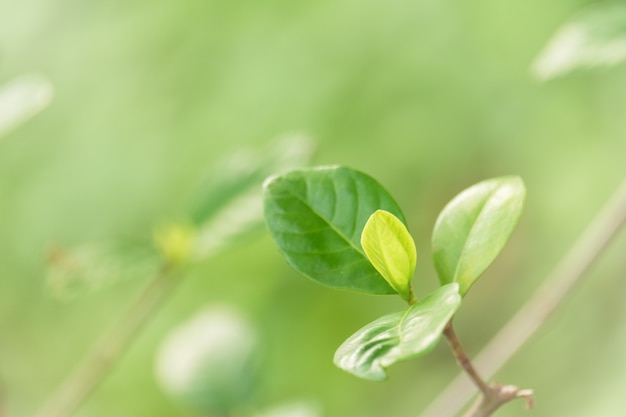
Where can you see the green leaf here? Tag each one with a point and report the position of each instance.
(594, 37)
(399, 336)
(316, 217)
(390, 248)
(22, 98)
(210, 362)
(474, 227)
(227, 206)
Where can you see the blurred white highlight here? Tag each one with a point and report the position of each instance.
(595, 37)
(215, 340)
(21, 99)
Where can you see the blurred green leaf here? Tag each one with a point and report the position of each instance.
(594, 37)
(21, 99)
(391, 249)
(228, 204)
(89, 267)
(316, 217)
(474, 227)
(209, 363)
(398, 336)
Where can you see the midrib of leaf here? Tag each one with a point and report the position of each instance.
(318, 214)
(399, 326)
(463, 252)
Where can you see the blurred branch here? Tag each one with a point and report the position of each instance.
(540, 307)
(88, 375)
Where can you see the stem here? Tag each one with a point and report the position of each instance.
(463, 359)
(493, 395)
(498, 396)
(90, 373)
(540, 307)
(412, 297)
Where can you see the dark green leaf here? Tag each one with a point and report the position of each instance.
(316, 217)
(474, 227)
(228, 205)
(398, 336)
(592, 38)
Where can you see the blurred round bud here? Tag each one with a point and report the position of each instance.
(209, 363)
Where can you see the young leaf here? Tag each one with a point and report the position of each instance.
(316, 217)
(594, 37)
(390, 248)
(398, 336)
(228, 204)
(474, 227)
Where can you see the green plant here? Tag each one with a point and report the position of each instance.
(341, 228)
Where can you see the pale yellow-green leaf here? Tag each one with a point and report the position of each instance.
(390, 248)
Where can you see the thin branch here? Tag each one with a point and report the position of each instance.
(498, 395)
(540, 307)
(89, 374)
(463, 359)
(493, 396)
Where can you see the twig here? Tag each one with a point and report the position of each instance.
(88, 375)
(499, 395)
(463, 359)
(540, 307)
(493, 396)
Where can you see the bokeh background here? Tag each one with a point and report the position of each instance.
(426, 96)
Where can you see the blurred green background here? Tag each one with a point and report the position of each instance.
(426, 96)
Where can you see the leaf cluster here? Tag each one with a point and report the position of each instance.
(342, 229)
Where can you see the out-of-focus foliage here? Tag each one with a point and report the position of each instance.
(426, 96)
(209, 362)
(594, 37)
(89, 267)
(21, 98)
(225, 210)
(294, 409)
(228, 205)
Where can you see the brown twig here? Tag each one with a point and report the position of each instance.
(493, 396)
(569, 271)
(498, 395)
(463, 359)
